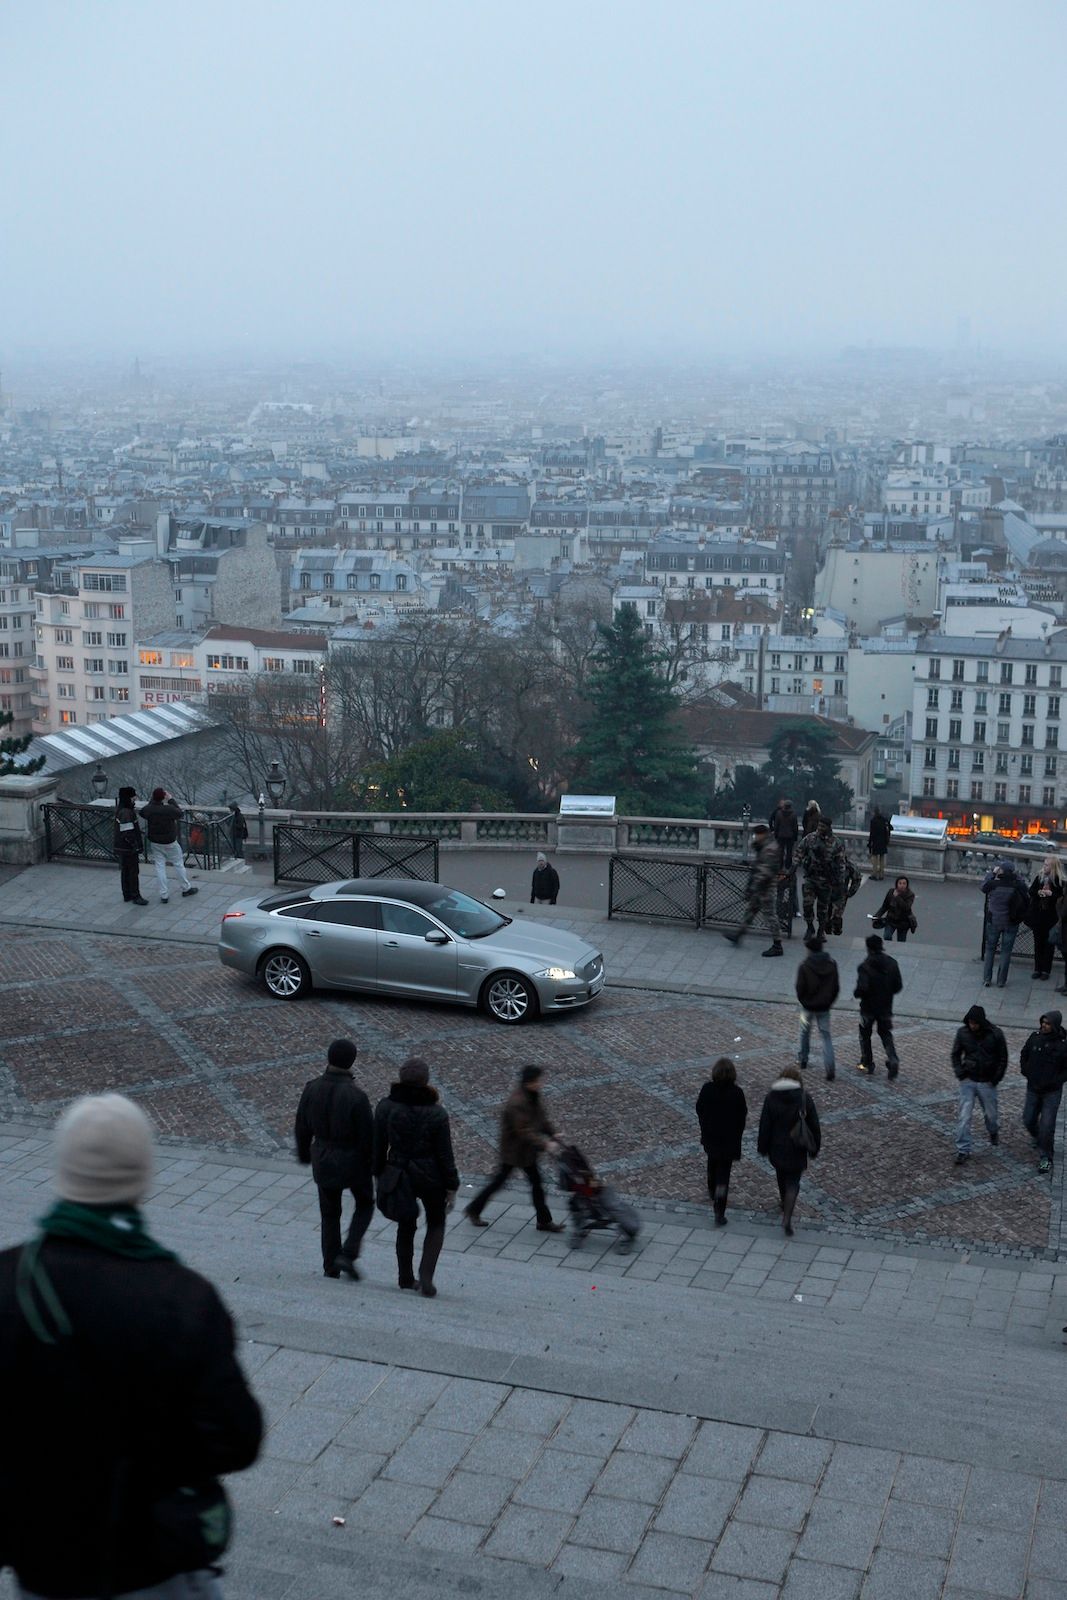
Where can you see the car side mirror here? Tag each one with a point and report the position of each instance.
(435, 936)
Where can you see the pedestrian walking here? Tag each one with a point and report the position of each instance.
(817, 986)
(1006, 903)
(785, 826)
(162, 815)
(823, 870)
(1043, 913)
(413, 1139)
(809, 822)
(525, 1135)
(127, 843)
(544, 886)
(851, 879)
(335, 1134)
(877, 981)
(789, 1133)
(761, 891)
(722, 1112)
(238, 831)
(896, 914)
(979, 1060)
(1043, 1063)
(878, 843)
(123, 1396)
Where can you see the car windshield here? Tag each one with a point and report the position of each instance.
(467, 917)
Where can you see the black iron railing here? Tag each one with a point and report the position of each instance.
(706, 893)
(319, 855)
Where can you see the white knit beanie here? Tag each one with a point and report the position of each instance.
(103, 1152)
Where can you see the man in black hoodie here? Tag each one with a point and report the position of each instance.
(1043, 1063)
(818, 986)
(979, 1060)
(335, 1133)
(877, 981)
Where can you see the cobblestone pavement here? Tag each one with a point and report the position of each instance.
(213, 1059)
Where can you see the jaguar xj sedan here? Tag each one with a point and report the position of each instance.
(399, 936)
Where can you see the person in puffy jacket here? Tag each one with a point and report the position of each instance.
(1006, 903)
(979, 1060)
(544, 885)
(722, 1112)
(778, 1118)
(1043, 1063)
(412, 1132)
(335, 1134)
(817, 986)
(127, 845)
(877, 981)
(896, 914)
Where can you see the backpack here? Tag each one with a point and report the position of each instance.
(1018, 905)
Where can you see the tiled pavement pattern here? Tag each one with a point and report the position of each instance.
(213, 1059)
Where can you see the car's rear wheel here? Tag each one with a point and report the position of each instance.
(285, 974)
(509, 999)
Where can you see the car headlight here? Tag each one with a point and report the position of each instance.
(557, 974)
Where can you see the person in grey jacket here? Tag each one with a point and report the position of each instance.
(1006, 903)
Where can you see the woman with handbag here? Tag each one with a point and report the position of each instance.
(789, 1133)
(895, 916)
(1043, 913)
(413, 1162)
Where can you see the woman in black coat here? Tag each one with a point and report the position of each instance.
(412, 1132)
(896, 914)
(722, 1112)
(780, 1115)
(1043, 912)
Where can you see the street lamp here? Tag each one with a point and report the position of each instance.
(262, 824)
(275, 782)
(99, 782)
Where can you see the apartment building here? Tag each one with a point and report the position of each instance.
(794, 672)
(917, 494)
(716, 565)
(184, 664)
(16, 644)
(795, 487)
(222, 567)
(986, 719)
(346, 575)
(868, 582)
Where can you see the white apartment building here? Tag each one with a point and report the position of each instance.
(917, 494)
(17, 615)
(717, 564)
(177, 664)
(986, 720)
(795, 673)
(868, 583)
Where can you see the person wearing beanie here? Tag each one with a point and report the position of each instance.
(121, 1384)
(544, 886)
(817, 986)
(1043, 1063)
(413, 1153)
(979, 1060)
(525, 1135)
(877, 981)
(162, 816)
(127, 844)
(335, 1135)
(761, 891)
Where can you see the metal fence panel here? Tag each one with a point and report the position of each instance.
(79, 833)
(641, 886)
(383, 855)
(305, 854)
(724, 897)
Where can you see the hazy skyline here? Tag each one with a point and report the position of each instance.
(347, 179)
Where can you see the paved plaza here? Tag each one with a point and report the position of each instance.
(865, 1411)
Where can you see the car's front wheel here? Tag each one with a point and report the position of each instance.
(509, 998)
(285, 974)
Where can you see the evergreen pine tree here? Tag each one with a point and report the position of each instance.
(9, 748)
(632, 745)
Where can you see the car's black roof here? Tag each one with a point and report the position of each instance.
(415, 890)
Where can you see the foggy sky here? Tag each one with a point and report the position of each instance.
(664, 178)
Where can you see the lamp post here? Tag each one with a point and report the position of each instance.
(746, 818)
(99, 782)
(273, 785)
(262, 825)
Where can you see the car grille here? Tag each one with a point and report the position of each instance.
(592, 969)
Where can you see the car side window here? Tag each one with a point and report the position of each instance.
(305, 910)
(347, 913)
(402, 919)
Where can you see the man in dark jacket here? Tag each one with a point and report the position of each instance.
(979, 1060)
(761, 891)
(1006, 903)
(525, 1135)
(877, 981)
(1043, 1063)
(162, 815)
(785, 826)
(238, 831)
(817, 986)
(335, 1133)
(878, 843)
(127, 844)
(122, 1392)
(544, 885)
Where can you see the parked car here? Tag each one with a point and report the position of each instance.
(399, 936)
(1037, 844)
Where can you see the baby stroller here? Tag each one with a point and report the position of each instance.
(592, 1203)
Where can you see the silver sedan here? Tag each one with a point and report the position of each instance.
(400, 936)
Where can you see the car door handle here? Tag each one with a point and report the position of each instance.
(392, 944)
(313, 933)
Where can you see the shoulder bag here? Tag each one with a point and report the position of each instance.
(800, 1132)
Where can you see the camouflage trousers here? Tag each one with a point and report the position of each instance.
(765, 900)
(818, 903)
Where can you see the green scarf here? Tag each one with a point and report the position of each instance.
(119, 1230)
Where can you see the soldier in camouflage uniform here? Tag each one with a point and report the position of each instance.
(761, 892)
(822, 863)
(853, 877)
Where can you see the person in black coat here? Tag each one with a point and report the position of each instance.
(878, 843)
(877, 981)
(128, 844)
(122, 1390)
(979, 1060)
(1043, 913)
(1043, 1063)
(544, 885)
(779, 1116)
(335, 1133)
(817, 986)
(722, 1112)
(412, 1132)
(238, 831)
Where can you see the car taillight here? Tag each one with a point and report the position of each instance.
(228, 916)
